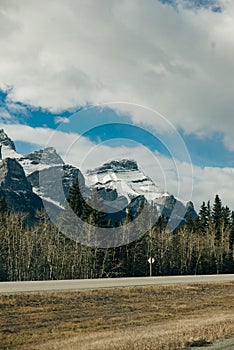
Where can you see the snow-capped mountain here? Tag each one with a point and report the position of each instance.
(40, 160)
(43, 175)
(126, 178)
(37, 160)
(47, 164)
(16, 189)
(123, 179)
(7, 147)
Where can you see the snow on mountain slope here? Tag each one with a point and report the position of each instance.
(119, 183)
(55, 181)
(39, 160)
(123, 179)
(35, 161)
(8, 152)
(7, 147)
(125, 176)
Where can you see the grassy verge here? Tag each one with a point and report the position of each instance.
(144, 318)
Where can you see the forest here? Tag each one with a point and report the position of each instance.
(203, 245)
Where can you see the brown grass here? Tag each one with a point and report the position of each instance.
(143, 318)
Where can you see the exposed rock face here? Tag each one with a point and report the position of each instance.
(126, 178)
(16, 188)
(50, 177)
(12, 176)
(27, 179)
(7, 146)
(116, 166)
(55, 182)
(47, 156)
(123, 179)
(20, 177)
(39, 160)
(107, 194)
(6, 141)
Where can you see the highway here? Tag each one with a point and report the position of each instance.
(86, 284)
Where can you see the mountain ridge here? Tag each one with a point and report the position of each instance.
(120, 183)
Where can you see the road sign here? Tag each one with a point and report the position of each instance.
(151, 260)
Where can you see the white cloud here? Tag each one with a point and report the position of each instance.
(16, 108)
(5, 116)
(57, 55)
(59, 120)
(210, 181)
(45, 137)
(60, 54)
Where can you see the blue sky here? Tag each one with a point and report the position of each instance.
(204, 151)
(172, 60)
(212, 4)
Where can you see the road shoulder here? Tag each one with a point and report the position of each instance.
(222, 344)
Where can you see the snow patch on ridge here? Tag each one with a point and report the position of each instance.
(126, 177)
(8, 152)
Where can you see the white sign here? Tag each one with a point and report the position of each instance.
(151, 260)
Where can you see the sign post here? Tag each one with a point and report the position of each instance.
(151, 261)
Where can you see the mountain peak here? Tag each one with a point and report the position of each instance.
(40, 159)
(126, 178)
(16, 188)
(47, 156)
(120, 165)
(6, 141)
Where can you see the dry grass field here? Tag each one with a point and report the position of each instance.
(146, 318)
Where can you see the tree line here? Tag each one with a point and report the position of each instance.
(204, 245)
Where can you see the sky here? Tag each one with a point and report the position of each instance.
(100, 80)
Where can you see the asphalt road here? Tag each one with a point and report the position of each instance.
(68, 285)
(224, 344)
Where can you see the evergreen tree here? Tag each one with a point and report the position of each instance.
(226, 216)
(217, 216)
(209, 211)
(3, 205)
(76, 201)
(162, 222)
(94, 210)
(203, 218)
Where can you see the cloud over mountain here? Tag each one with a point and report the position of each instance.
(58, 54)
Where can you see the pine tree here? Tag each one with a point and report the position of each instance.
(74, 214)
(226, 216)
(76, 200)
(217, 216)
(94, 210)
(3, 205)
(203, 218)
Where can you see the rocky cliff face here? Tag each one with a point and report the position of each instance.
(26, 180)
(20, 179)
(122, 179)
(53, 183)
(39, 160)
(7, 147)
(16, 188)
(126, 178)
(6, 141)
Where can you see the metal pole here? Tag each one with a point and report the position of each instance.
(151, 267)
